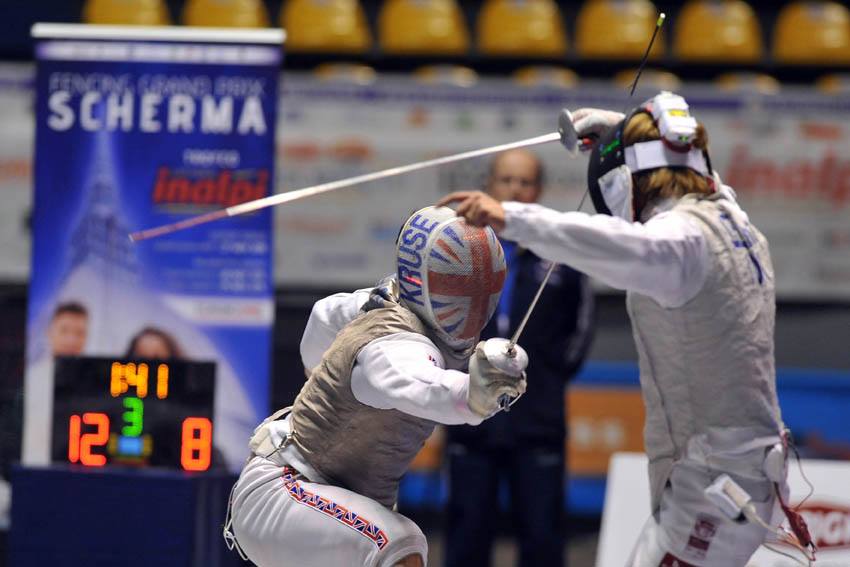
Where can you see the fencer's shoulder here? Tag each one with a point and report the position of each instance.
(407, 344)
(677, 218)
(340, 307)
(699, 204)
(391, 323)
(328, 317)
(723, 200)
(396, 314)
(729, 199)
(727, 192)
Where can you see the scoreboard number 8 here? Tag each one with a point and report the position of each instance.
(196, 445)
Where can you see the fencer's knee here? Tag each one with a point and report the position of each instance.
(414, 560)
(410, 550)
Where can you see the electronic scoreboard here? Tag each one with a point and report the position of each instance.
(110, 411)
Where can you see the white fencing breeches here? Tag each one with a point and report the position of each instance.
(281, 519)
(689, 531)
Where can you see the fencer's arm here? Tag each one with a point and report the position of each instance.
(665, 258)
(328, 317)
(405, 371)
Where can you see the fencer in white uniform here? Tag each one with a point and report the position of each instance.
(700, 296)
(385, 365)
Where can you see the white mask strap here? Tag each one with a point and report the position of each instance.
(655, 154)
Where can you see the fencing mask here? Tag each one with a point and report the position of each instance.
(612, 163)
(450, 274)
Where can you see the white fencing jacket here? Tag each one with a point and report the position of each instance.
(700, 295)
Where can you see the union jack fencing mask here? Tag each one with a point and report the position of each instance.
(450, 274)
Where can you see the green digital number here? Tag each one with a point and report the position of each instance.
(133, 417)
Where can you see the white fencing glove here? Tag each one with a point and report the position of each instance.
(487, 383)
(593, 122)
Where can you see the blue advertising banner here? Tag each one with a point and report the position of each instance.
(137, 127)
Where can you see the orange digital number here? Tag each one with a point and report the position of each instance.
(162, 381)
(80, 446)
(196, 446)
(122, 376)
(74, 439)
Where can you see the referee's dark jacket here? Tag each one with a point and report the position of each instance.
(557, 339)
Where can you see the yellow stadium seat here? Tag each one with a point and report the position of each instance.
(834, 84)
(325, 25)
(812, 33)
(650, 79)
(418, 27)
(456, 75)
(748, 83)
(617, 29)
(521, 27)
(544, 75)
(722, 31)
(352, 73)
(225, 13)
(126, 12)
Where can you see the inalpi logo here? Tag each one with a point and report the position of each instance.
(223, 189)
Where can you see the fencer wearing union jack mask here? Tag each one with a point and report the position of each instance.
(700, 295)
(385, 366)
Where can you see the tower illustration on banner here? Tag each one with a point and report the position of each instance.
(99, 238)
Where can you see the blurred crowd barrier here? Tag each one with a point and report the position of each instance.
(786, 155)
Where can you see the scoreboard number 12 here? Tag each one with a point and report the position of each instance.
(80, 446)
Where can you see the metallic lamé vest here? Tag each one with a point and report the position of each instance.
(350, 444)
(707, 367)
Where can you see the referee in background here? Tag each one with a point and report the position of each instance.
(524, 448)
